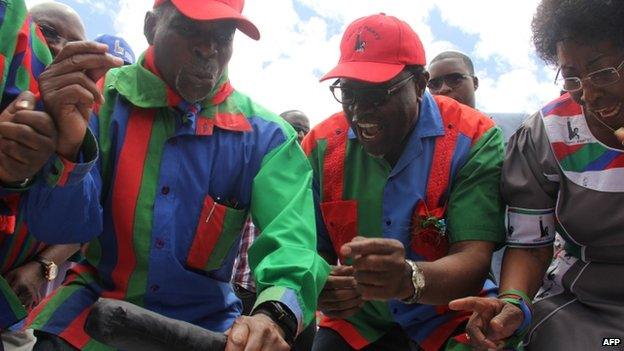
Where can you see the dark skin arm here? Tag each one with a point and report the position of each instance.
(382, 273)
(27, 279)
(494, 320)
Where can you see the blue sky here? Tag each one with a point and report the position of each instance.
(300, 41)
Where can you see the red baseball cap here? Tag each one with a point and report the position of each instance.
(376, 48)
(205, 10)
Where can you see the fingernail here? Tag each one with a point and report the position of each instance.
(23, 104)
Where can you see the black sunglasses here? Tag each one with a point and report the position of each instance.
(452, 80)
(373, 96)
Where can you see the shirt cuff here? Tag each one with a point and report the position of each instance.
(286, 296)
(530, 227)
(62, 172)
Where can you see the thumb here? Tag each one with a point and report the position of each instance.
(506, 322)
(24, 101)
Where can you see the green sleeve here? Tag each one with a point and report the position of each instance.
(283, 258)
(475, 209)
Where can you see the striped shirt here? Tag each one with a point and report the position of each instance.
(23, 56)
(166, 203)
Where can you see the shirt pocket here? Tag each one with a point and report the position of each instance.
(341, 221)
(217, 230)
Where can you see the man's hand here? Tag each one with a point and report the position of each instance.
(255, 333)
(27, 281)
(339, 297)
(68, 89)
(492, 320)
(27, 139)
(381, 272)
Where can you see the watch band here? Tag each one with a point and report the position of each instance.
(418, 280)
(282, 317)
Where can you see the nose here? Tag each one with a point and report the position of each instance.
(590, 94)
(205, 49)
(57, 46)
(444, 89)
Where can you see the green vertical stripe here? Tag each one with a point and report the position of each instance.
(232, 226)
(94, 252)
(39, 48)
(578, 161)
(16, 305)
(15, 13)
(104, 139)
(364, 180)
(144, 214)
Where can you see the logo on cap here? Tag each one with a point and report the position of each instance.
(360, 44)
(118, 49)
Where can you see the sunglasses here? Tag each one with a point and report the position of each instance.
(372, 96)
(452, 80)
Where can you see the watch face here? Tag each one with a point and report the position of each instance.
(51, 272)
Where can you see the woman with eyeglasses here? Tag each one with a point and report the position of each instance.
(564, 173)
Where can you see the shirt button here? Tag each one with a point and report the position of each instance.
(190, 115)
(388, 222)
(164, 190)
(160, 243)
(154, 288)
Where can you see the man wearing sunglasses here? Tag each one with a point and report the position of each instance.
(452, 74)
(407, 197)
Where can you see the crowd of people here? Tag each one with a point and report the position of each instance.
(152, 180)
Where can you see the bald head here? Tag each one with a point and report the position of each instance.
(59, 23)
(299, 121)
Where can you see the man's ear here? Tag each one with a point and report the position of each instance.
(421, 83)
(475, 81)
(149, 27)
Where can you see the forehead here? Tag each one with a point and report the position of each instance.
(63, 21)
(574, 55)
(296, 118)
(446, 66)
(358, 84)
(175, 17)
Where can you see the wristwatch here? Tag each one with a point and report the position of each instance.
(418, 280)
(282, 317)
(50, 269)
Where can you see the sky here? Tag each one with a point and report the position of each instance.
(300, 41)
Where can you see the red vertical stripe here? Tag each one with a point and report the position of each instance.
(75, 331)
(208, 232)
(126, 193)
(333, 162)
(15, 248)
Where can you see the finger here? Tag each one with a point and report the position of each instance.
(506, 322)
(237, 336)
(477, 304)
(80, 47)
(58, 82)
(341, 270)
(477, 337)
(339, 295)
(339, 282)
(372, 278)
(374, 292)
(369, 246)
(24, 155)
(82, 62)
(24, 101)
(377, 263)
(12, 170)
(39, 121)
(73, 97)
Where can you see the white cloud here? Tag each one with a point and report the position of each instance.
(281, 71)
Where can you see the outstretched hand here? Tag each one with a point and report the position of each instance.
(492, 321)
(255, 333)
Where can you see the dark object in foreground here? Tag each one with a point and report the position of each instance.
(129, 327)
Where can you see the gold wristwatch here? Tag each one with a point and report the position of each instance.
(418, 280)
(50, 269)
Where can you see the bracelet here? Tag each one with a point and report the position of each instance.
(526, 313)
(516, 292)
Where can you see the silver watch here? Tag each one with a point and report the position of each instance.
(418, 280)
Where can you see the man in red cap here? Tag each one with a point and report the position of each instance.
(407, 189)
(184, 159)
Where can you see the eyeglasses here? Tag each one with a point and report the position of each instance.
(452, 80)
(599, 78)
(373, 96)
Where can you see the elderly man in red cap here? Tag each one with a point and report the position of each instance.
(407, 188)
(183, 160)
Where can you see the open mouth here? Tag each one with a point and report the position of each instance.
(369, 131)
(609, 112)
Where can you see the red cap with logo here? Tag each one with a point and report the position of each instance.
(206, 10)
(376, 48)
